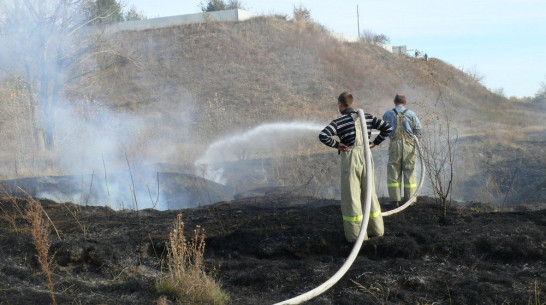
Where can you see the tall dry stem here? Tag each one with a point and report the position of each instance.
(40, 229)
(133, 190)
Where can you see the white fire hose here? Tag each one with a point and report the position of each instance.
(364, 226)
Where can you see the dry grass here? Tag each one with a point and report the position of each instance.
(260, 69)
(12, 212)
(187, 280)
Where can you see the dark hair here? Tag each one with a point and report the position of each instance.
(346, 99)
(400, 99)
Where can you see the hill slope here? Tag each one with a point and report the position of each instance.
(267, 69)
(198, 83)
(163, 96)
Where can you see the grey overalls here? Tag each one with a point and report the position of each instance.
(402, 160)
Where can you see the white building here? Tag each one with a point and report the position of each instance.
(162, 22)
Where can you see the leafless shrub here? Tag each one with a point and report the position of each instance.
(499, 91)
(187, 278)
(438, 147)
(474, 73)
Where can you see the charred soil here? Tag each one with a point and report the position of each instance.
(271, 248)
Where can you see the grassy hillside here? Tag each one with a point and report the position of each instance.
(164, 95)
(267, 69)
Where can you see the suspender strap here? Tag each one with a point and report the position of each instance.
(396, 112)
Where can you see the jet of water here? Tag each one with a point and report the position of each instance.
(260, 140)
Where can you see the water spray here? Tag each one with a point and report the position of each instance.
(260, 140)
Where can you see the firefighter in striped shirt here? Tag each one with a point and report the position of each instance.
(345, 134)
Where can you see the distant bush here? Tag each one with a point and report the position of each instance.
(540, 96)
(301, 13)
(104, 12)
(283, 17)
(133, 14)
(220, 5)
(370, 37)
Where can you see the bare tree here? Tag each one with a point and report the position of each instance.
(438, 148)
(45, 44)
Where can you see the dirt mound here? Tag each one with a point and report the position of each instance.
(269, 249)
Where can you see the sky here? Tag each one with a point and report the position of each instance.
(501, 41)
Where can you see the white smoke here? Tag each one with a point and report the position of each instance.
(107, 148)
(45, 43)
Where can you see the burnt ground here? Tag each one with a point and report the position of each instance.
(271, 248)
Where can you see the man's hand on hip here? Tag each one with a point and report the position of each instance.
(342, 147)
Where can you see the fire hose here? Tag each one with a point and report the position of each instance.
(364, 225)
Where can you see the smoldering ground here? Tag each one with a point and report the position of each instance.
(267, 249)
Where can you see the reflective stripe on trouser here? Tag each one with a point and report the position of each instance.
(353, 180)
(402, 158)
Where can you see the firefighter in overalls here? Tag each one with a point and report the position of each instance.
(348, 130)
(401, 169)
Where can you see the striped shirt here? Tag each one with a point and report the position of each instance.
(344, 128)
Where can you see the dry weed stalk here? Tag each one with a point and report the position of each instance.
(154, 202)
(187, 278)
(133, 190)
(40, 229)
(536, 298)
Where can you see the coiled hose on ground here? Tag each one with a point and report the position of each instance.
(364, 226)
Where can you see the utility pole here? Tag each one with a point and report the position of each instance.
(358, 21)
